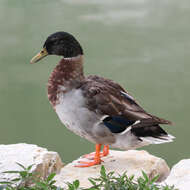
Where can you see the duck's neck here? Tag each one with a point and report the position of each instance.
(67, 75)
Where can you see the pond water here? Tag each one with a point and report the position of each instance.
(142, 44)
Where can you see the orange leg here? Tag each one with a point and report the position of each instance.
(106, 150)
(96, 160)
(102, 154)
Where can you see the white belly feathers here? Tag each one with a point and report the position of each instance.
(73, 113)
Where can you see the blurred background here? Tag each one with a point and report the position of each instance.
(142, 44)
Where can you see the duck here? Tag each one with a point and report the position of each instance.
(95, 108)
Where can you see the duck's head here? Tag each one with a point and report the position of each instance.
(61, 44)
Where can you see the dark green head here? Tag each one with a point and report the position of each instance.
(61, 44)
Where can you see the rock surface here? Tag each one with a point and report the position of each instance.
(180, 175)
(132, 161)
(45, 162)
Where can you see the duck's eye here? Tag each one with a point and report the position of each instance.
(42, 51)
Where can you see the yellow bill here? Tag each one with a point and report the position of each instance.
(43, 53)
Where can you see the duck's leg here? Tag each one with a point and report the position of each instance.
(96, 160)
(102, 154)
(105, 150)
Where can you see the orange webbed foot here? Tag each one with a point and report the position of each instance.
(102, 154)
(83, 164)
(96, 159)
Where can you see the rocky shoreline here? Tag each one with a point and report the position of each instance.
(133, 161)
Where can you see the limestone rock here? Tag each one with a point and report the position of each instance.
(132, 161)
(180, 175)
(45, 162)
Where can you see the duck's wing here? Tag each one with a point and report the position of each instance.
(118, 108)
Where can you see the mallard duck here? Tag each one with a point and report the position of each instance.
(96, 108)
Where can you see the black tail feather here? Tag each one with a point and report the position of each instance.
(148, 127)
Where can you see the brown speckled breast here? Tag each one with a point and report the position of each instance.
(67, 75)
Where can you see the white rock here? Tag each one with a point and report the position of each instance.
(45, 162)
(132, 161)
(180, 175)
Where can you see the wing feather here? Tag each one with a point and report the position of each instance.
(106, 97)
(109, 98)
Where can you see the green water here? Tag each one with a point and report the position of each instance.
(142, 44)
